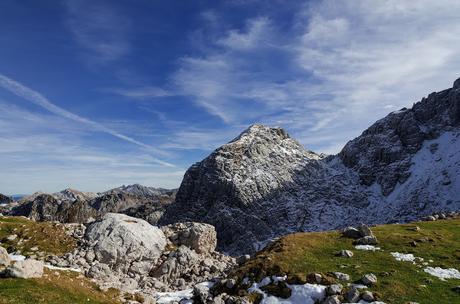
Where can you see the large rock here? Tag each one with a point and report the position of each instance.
(198, 236)
(4, 258)
(119, 240)
(26, 269)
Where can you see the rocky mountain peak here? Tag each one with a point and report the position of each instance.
(457, 84)
(70, 194)
(264, 184)
(140, 190)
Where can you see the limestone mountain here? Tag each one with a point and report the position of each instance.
(264, 184)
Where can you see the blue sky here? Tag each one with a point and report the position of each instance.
(95, 94)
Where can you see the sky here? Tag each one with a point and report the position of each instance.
(95, 94)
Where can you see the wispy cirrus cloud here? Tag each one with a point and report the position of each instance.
(38, 99)
(99, 28)
(41, 151)
(143, 92)
(336, 69)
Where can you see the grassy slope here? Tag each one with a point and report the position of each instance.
(48, 237)
(303, 253)
(57, 287)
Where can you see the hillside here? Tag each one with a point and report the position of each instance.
(40, 240)
(297, 258)
(436, 245)
(264, 184)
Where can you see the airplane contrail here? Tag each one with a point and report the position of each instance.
(40, 100)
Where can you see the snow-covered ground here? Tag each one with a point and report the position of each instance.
(367, 247)
(409, 257)
(183, 296)
(51, 267)
(450, 273)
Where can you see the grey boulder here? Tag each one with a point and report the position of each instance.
(119, 240)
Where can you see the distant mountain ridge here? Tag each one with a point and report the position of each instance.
(264, 184)
(70, 205)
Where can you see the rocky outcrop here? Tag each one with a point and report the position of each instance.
(131, 255)
(72, 206)
(5, 199)
(200, 237)
(264, 184)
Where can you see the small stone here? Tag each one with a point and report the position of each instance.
(346, 253)
(11, 237)
(332, 300)
(413, 244)
(352, 295)
(367, 240)
(230, 283)
(35, 248)
(243, 259)
(341, 276)
(334, 289)
(318, 277)
(367, 296)
(456, 288)
(369, 279)
(429, 218)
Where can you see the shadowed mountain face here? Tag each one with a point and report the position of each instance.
(74, 206)
(264, 184)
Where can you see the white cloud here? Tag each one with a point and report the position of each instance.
(50, 153)
(338, 68)
(145, 92)
(38, 99)
(257, 31)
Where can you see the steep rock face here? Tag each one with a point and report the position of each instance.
(264, 184)
(383, 152)
(247, 169)
(261, 185)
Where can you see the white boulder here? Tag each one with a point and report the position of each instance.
(119, 240)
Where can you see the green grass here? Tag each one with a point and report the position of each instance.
(303, 253)
(54, 289)
(50, 238)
